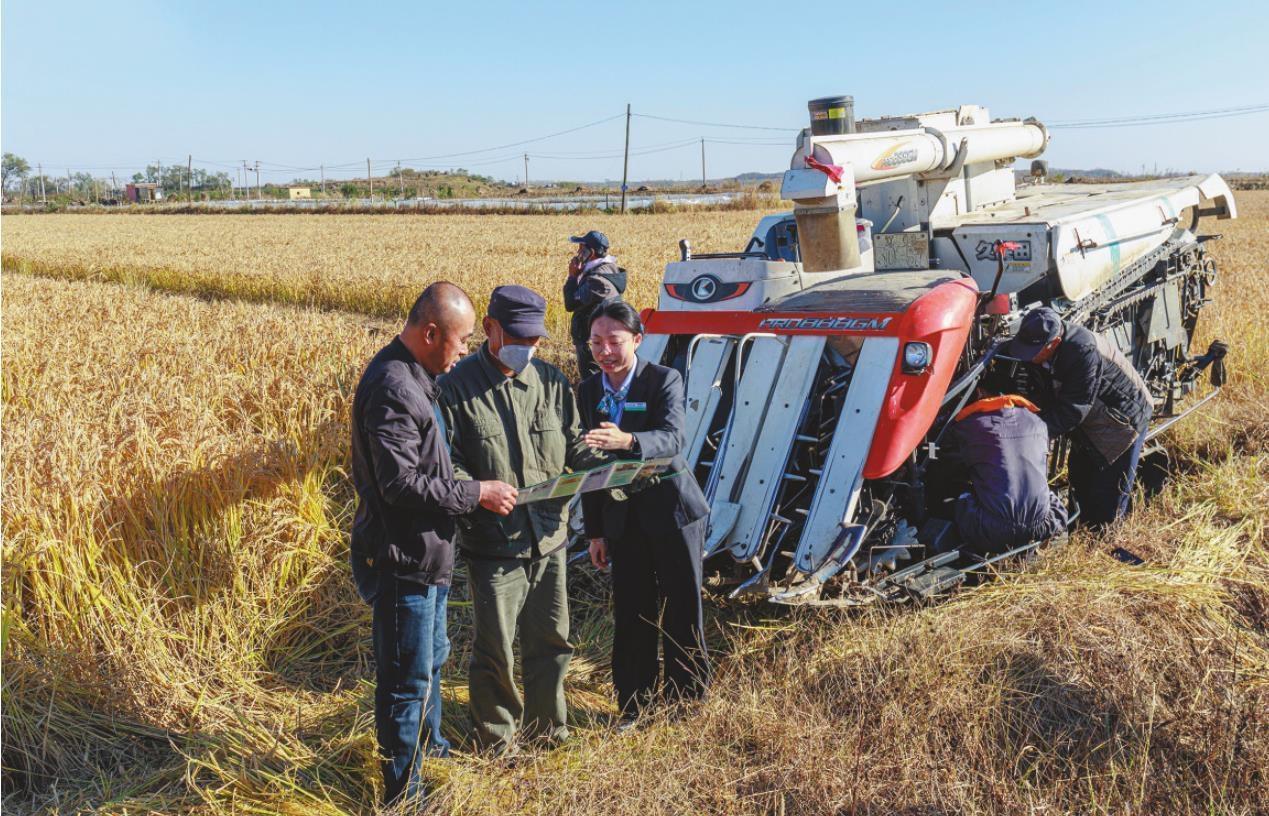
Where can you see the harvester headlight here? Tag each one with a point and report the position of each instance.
(916, 357)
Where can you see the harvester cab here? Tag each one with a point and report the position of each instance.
(824, 360)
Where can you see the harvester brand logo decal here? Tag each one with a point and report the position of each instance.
(704, 288)
(1018, 251)
(826, 323)
(902, 153)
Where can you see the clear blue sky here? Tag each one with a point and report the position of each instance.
(116, 84)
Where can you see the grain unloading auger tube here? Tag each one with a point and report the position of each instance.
(825, 360)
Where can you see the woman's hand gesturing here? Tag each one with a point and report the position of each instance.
(609, 437)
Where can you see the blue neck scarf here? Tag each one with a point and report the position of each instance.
(613, 403)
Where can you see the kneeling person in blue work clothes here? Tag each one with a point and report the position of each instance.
(1003, 445)
(511, 414)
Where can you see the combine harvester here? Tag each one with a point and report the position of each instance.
(825, 361)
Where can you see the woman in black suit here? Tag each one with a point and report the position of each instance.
(651, 531)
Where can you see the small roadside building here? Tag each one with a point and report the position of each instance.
(143, 192)
(300, 192)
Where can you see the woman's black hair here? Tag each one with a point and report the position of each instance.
(620, 311)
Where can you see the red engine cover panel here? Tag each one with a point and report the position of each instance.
(941, 318)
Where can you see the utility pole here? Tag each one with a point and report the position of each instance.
(625, 163)
(526, 171)
(70, 186)
(702, 164)
(370, 179)
(259, 193)
(400, 179)
(39, 168)
(323, 169)
(246, 186)
(114, 185)
(189, 176)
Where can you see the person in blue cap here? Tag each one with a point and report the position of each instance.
(1091, 391)
(593, 277)
(508, 412)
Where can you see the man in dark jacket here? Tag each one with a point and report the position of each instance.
(1003, 445)
(593, 277)
(402, 549)
(1092, 391)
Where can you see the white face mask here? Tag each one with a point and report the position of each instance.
(516, 358)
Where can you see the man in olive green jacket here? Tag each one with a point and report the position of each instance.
(509, 414)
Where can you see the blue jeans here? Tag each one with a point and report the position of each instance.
(1104, 490)
(411, 644)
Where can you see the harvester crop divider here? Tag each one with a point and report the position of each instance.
(837, 493)
(704, 389)
(768, 460)
(752, 386)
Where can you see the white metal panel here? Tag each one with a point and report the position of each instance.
(1058, 204)
(761, 368)
(652, 348)
(837, 493)
(1120, 235)
(1093, 250)
(767, 279)
(775, 440)
(1025, 263)
(704, 390)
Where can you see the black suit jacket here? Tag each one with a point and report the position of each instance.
(672, 503)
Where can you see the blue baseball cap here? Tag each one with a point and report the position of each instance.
(520, 311)
(593, 240)
(1038, 328)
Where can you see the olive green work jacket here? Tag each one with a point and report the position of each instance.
(521, 430)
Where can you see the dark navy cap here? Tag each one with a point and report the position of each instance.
(520, 311)
(593, 240)
(1039, 327)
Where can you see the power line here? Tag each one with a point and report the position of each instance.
(715, 124)
(438, 161)
(781, 143)
(1160, 118)
(522, 142)
(418, 159)
(680, 146)
(584, 153)
(643, 151)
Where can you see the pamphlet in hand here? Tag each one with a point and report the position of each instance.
(615, 474)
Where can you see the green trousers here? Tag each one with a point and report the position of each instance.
(529, 595)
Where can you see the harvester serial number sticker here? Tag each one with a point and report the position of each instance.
(1020, 251)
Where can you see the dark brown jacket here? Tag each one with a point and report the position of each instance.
(407, 494)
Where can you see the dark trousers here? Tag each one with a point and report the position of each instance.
(985, 533)
(585, 361)
(529, 595)
(656, 597)
(1104, 491)
(411, 645)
